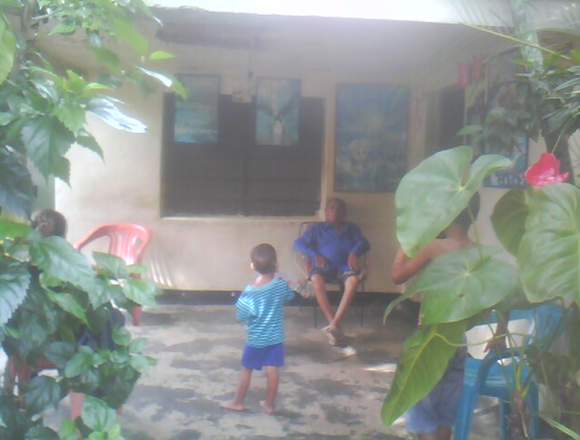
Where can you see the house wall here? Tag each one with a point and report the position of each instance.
(204, 253)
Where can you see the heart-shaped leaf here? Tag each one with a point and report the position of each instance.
(549, 253)
(433, 194)
(509, 219)
(425, 358)
(462, 284)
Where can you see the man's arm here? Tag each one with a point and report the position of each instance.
(306, 244)
(405, 268)
(361, 244)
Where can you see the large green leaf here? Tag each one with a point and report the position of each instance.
(97, 415)
(41, 433)
(47, 140)
(107, 110)
(12, 229)
(87, 140)
(425, 358)
(72, 114)
(69, 304)
(509, 219)
(79, 363)
(433, 194)
(461, 284)
(140, 291)
(126, 31)
(68, 431)
(111, 265)
(7, 48)
(14, 282)
(59, 353)
(43, 392)
(549, 254)
(16, 188)
(58, 259)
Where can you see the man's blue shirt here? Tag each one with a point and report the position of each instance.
(334, 244)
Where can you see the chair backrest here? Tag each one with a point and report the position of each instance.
(126, 241)
(538, 325)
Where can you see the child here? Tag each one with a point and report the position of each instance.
(49, 223)
(261, 307)
(434, 416)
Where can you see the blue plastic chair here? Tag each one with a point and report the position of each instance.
(489, 377)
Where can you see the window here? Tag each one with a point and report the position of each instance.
(235, 175)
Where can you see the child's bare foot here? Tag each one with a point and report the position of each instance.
(233, 406)
(268, 409)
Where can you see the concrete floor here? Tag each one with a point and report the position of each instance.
(322, 395)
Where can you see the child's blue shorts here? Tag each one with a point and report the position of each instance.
(439, 408)
(271, 356)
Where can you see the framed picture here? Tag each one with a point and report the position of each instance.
(196, 117)
(497, 91)
(371, 137)
(277, 112)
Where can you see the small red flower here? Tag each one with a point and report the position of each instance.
(545, 171)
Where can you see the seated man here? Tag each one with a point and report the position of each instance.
(333, 249)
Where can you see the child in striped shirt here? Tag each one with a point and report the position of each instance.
(261, 307)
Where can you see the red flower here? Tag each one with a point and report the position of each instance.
(546, 171)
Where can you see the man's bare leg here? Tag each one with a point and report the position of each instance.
(238, 403)
(319, 285)
(444, 433)
(350, 286)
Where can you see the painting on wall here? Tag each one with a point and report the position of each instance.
(496, 91)
(371, 137)
(196, 117)
(277, 111)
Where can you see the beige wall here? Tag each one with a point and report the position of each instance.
(212, 253)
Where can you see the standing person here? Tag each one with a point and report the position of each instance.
(434, 416)
(333, 249)
(261, 307)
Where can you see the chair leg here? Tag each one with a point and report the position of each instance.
(77, 401)
(136, 313)
(465, 412)
(504, 417)
(534, 409)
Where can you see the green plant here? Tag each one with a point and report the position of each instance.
(54, 306)
(538, 226)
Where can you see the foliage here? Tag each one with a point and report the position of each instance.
(55, 308)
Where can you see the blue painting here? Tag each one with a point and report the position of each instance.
(371, 137)
(277, 111)
(496, 91)
(196, 117)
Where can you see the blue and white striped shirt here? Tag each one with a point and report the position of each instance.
(262, 309)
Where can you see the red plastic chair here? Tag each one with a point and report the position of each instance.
(126, 241)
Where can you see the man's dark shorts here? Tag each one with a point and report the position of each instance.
(333, 275)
